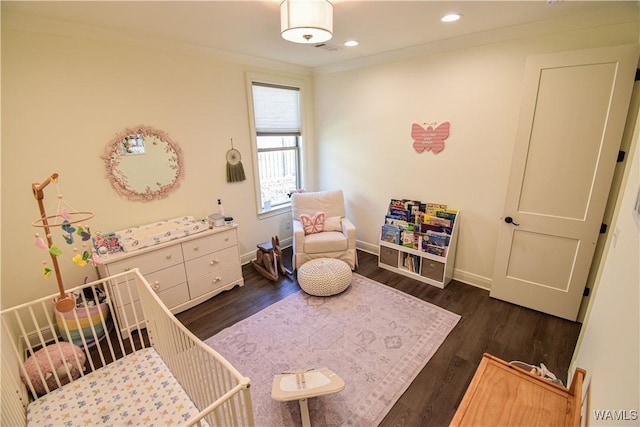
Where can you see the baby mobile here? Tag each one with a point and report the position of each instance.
(65, 218)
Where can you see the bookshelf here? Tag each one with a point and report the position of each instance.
(433, 268)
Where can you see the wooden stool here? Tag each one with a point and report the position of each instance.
(269, 259)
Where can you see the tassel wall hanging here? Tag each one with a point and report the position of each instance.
(235, 171)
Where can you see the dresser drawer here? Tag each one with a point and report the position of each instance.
(159, 281)
(215, 280)
(209, 263)
(171, 297)
(149, 262)
(174, 295)
(165, 279)
(199, 247)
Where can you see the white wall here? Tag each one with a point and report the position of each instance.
(364, 118)
(609, 343)
(64, 98)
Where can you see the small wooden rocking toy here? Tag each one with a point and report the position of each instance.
(268, 260)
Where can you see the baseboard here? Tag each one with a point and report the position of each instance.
(368, 247)
(472, 279)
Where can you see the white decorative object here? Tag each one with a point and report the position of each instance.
(324, 277)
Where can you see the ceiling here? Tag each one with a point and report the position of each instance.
(382, 27)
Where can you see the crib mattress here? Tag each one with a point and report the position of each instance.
(138, 389)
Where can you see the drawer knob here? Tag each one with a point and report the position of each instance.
(168, 256)
(127, 269)
(214, 261)
(226, 239)
(156, 286)
(216, 279)
(196, 248)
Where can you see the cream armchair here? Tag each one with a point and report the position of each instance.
(338, 240)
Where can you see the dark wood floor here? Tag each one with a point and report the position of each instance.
(487, 325)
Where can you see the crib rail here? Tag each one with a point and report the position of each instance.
(217, 389)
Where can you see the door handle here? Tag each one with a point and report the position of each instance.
(509, 220)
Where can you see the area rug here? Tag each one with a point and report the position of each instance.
(373, 336)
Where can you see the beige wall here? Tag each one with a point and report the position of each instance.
(63, 100)
(364, 119)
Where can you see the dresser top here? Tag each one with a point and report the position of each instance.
(109, 258)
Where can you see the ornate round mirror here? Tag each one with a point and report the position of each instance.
(143, 163)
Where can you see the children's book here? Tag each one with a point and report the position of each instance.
(395, 203)
(434, 220)
(392, 220)
(438, 239)
(449, 214)
(390, 233)
(400, 213)
(406, 238)
(432, 207)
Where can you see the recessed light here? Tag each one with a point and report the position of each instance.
(452, 17)
(351, 43)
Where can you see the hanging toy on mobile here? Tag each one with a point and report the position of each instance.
(64, 218)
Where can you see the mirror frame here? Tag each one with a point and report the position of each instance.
(113, 155)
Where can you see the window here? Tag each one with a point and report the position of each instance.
(276, 112)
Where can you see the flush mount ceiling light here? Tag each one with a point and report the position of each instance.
(306, 21)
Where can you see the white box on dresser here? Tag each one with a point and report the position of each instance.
(184, 272)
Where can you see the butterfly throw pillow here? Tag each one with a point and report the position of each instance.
(312, 224)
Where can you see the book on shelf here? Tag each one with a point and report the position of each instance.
(449, 214)
(432, 207)
(435, 220)
(421, 226)
(395, 203)
(400, 213)
(406, 238)
(392, 220)
(411, 262)
(438, 238)
(390, 233)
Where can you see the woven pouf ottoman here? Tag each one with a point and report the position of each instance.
(324, 277)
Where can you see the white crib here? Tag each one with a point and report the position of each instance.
(194, 384)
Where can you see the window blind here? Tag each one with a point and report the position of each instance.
(276, 109)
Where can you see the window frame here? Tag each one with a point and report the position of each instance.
(277, 81)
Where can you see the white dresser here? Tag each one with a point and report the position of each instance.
(184, 272)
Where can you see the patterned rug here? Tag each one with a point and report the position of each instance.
(375, 337)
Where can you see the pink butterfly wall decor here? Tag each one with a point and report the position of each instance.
(429, 139)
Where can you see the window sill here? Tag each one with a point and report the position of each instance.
(275, 211)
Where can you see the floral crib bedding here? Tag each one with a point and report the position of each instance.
(138, 389)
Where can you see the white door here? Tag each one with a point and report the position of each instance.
(573, 113)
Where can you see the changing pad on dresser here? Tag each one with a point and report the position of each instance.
(159, 232)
